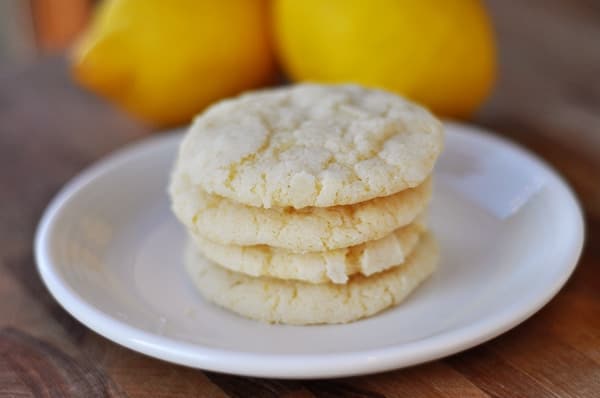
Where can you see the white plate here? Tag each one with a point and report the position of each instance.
(511, 231)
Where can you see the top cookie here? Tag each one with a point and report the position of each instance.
(310, 145)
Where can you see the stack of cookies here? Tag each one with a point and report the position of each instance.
(307, 204)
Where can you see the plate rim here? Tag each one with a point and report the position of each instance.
(254, 364)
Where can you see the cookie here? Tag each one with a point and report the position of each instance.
(316, 267)
(310, 145)
(300, 303)
(307, 230)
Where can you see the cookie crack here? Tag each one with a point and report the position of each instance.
(234, 167)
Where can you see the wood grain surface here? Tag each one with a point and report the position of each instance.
(548, 98)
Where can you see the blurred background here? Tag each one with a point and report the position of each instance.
(33, 28)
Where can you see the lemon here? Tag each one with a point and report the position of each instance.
(439, 53)
(166, 60)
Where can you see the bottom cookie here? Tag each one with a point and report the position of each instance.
(300, 303)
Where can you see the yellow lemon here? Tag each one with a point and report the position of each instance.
(439, 53)
(166, 60)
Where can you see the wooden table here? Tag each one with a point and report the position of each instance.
(548, 98)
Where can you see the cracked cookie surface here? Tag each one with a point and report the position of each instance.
(310, 145)
(311, 229)
(333, 266)
(301, 303)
